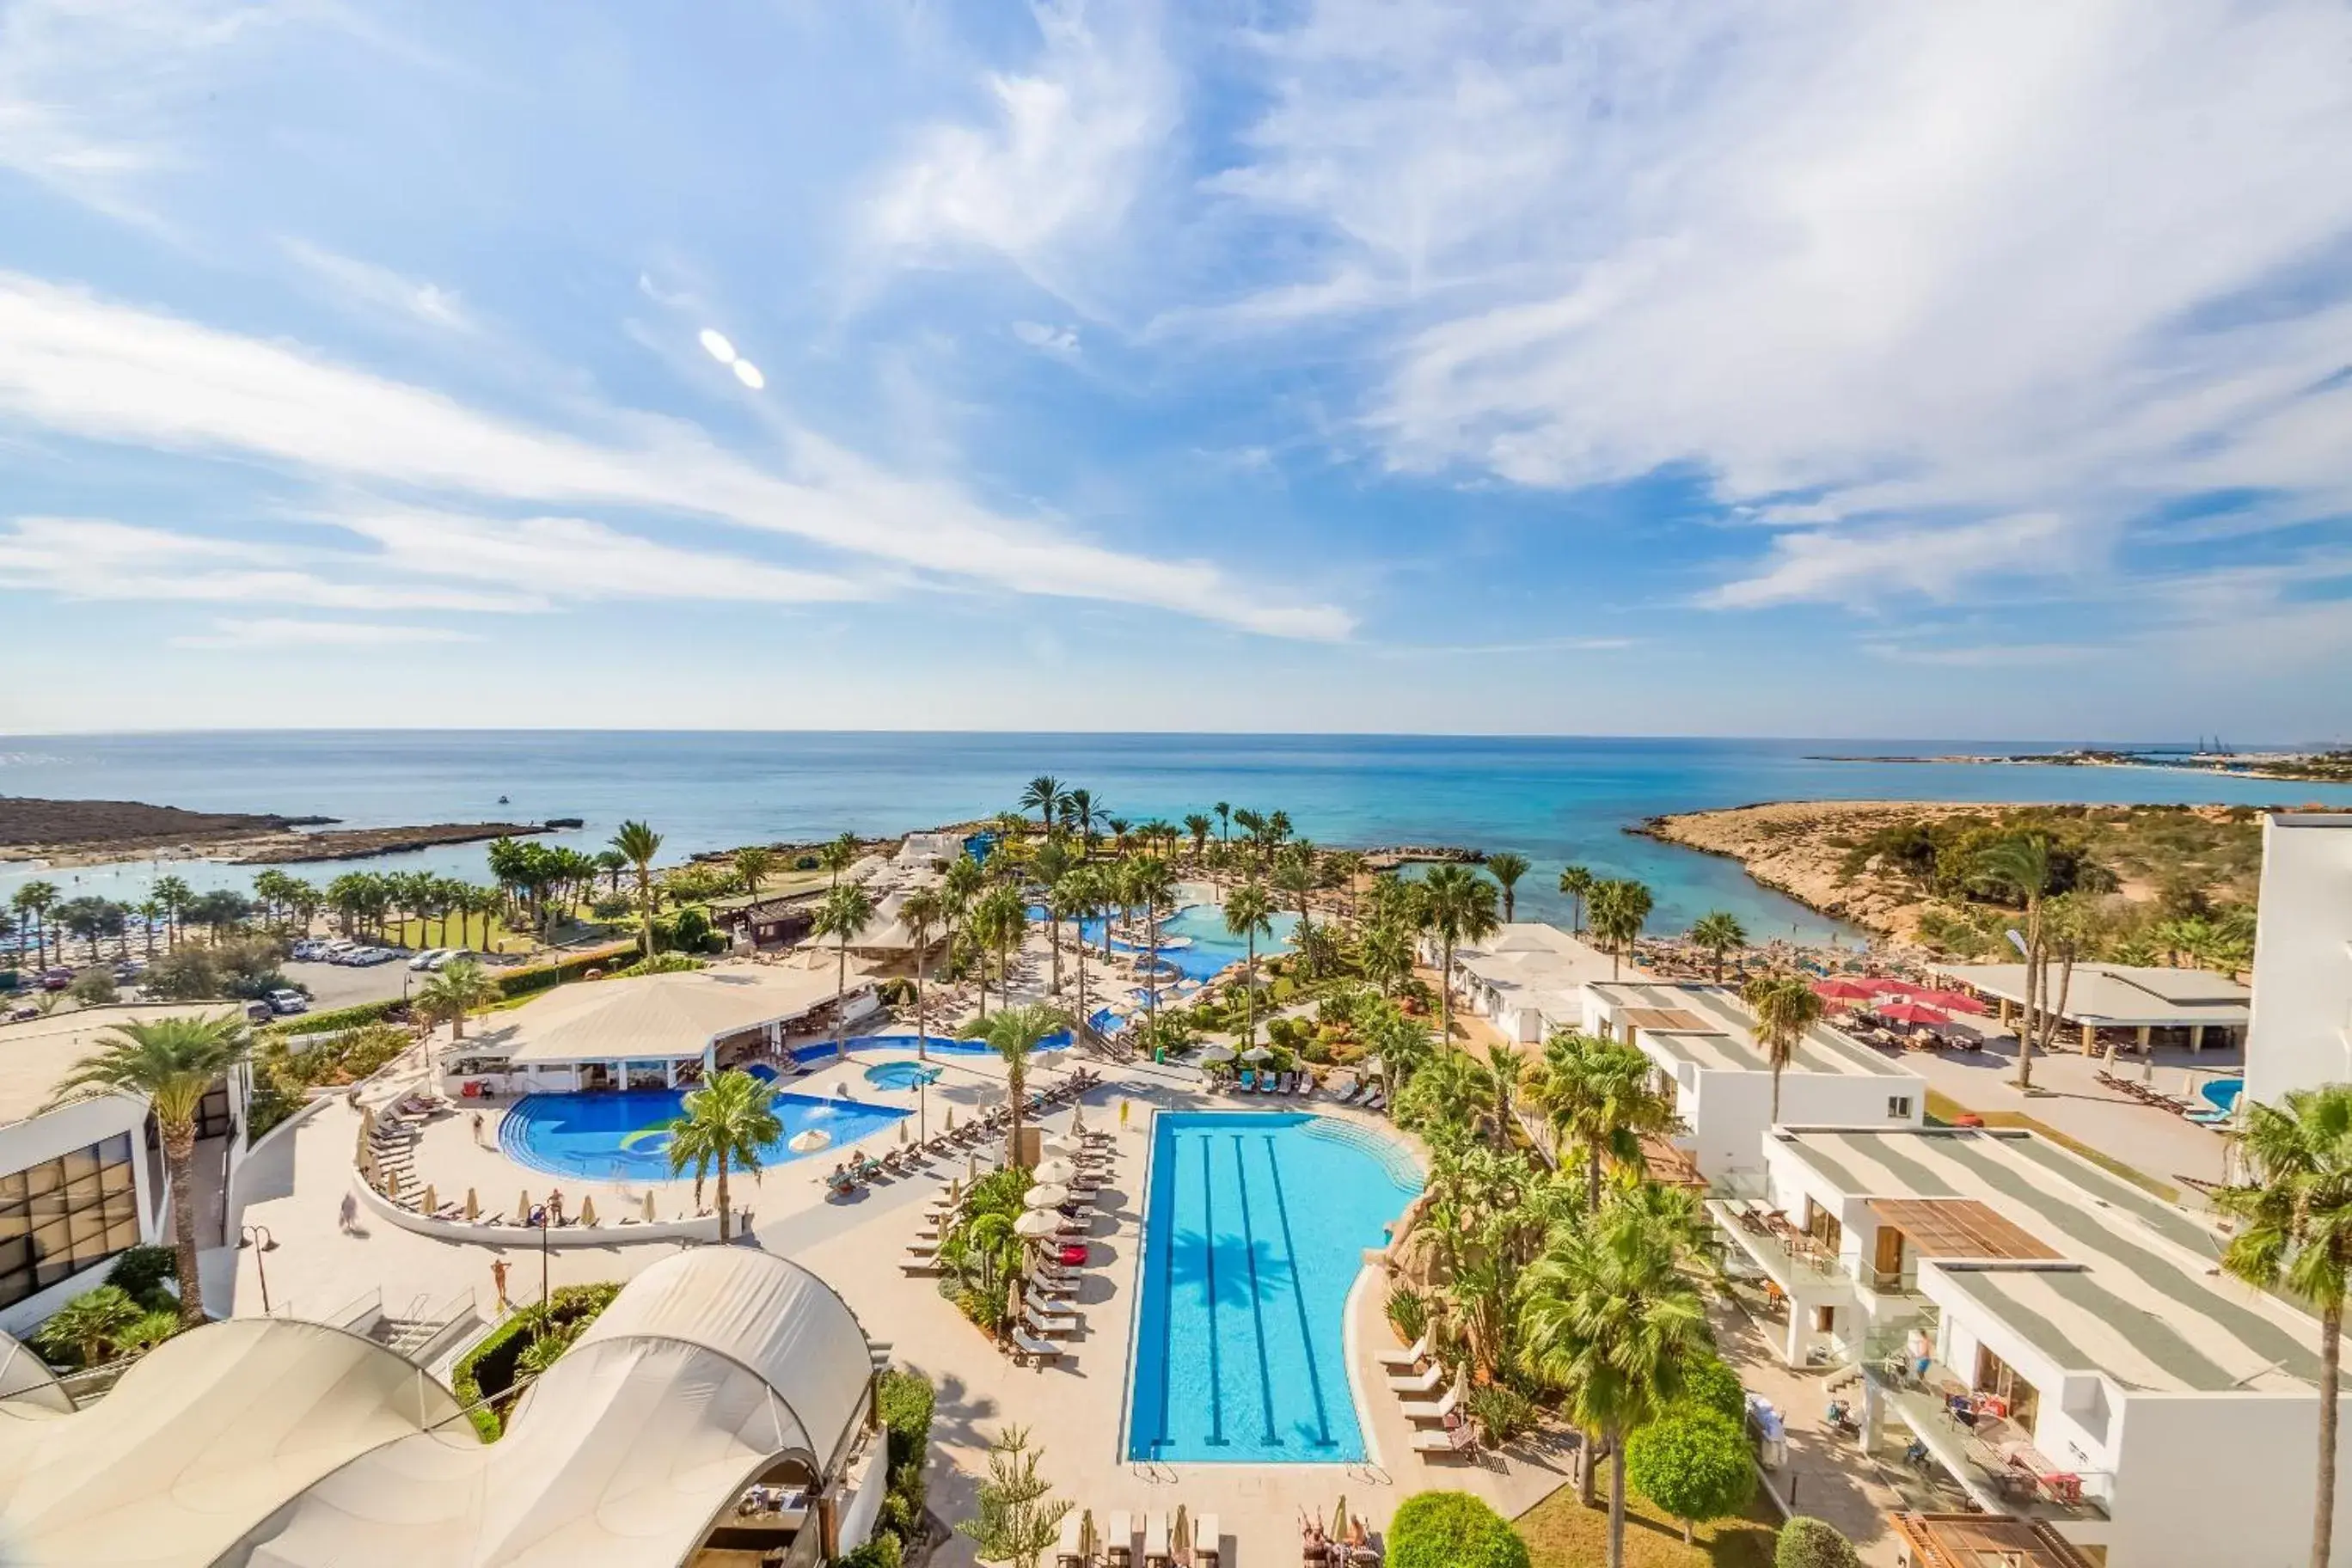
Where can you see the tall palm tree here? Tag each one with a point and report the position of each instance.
(837, 855)
(1457, 905)
(640, 844)
(1784, 1007)
(2029, 867)
(1249, 914)
(32, 903)
(2296, 1214)
(1599, 1096)
(1507, 867)
(1619, 909)
(1052, 862)
(1013, 1034)
(611, 863)
(456, 989)
(997, 923)
(1344, 867)
(841, 914)
(150, 910)
(1613, 1313)
(1083, 894)
(1503, 1077)
(1079, 809)
(726, 1122)
(172, 1064)
(1198, 826)
(920, 912)
(1225, 820)
(754, 865)
(1576, 883)
(1043, 796)
(1385, 952)
(1719, 931)
(1148, 884)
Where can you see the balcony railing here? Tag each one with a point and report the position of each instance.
(1793, 1259)
(1979, 1459)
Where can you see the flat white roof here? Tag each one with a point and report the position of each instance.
(1709, 1028)
(36, 1054)
(654, 1017)
(2121, 995)
(1534, 964)
(2135, 1292)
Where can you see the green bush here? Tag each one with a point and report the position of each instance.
(1694, 1463)
(330, 1023)
(145, 1274)
(529, 981)
(1504, 1414)
(1408, 1311)
(659, 964)
(489, 1369)
(905, 1400)
(1711, 1384)
(882, 1552)
(1453, 1530)
(94, 988)
(1808, 1543)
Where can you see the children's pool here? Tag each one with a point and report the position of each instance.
(1253, 1232)
(901, 1075)
(625, 1137)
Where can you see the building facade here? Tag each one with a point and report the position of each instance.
(2301, 1036)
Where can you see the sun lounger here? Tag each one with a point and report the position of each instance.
(1447, 1440)
(1415, 1410)
(1155, 1553)
(1065, 1551)
(1030, 1348)
(1119, 1540)
(1045, 1307)
(1347, 1094)
(921, 1248)
(1208, 1541)
(1246, 1081)
(910, 1266)
(1410, 1356)
(1058, 1288)
(1420, 1382)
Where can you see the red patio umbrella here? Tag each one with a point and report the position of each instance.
(1913, 1012)
(1952, 1001)
(1889, 986)
(1844, 990)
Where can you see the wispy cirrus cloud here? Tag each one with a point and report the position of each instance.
(276, 632)
(374, 290)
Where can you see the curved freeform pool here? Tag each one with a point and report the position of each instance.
(1254, 1230)
(901, 1075)
(625, 1137)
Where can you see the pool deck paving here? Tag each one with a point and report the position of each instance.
(294, 1186)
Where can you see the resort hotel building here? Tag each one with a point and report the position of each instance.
(2045, 1339)
(81, 1180)
(1528, 979)
(1703, 1042)
(2120, 1006)
(2301, 1031)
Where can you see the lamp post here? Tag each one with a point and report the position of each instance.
(546, 1215)
(258, 1237)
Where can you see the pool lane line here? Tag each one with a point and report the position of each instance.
(1209, 1270)
(1256, 1295)
(1298, 1298)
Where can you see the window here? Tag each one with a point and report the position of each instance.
(1899, 1108)
(64, 1215)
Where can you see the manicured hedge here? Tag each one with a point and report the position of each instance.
(1808, 1543)
(1453, 1530)
(339, 1019)
(529, 981)
(492, 1363)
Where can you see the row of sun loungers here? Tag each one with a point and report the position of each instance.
(1121, 1542)
(1301, 1086)
(2147, 1095)
(1426, 1392)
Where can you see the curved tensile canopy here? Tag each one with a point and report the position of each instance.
(26, 1379)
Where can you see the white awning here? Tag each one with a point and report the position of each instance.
(653, 1017)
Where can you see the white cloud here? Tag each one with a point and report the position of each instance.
(272, 633)
(1057, 165)
(98, 559)
(1863, 566)
(1920, 268)
(77, 364)
(1060, 341)
(376, 290)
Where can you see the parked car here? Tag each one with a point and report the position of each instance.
(23, 1015)
(429, 959)
(283, 1001)
(367, 956)
(453, 955)
(258, 1013)
(338, 951)
(129, 970)
(309, 949)
(57, 979)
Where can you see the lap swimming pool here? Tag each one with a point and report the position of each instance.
(1253, 1232)
(625, 1137)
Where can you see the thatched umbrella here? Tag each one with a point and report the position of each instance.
(1089, 1542)
(810, 1141)
(428, 1206)
(588, 1209)
(473, 1204)
(1179, 1545)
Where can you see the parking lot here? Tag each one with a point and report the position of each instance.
(333, 986)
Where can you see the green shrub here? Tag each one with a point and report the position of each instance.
(529, 981)
(1808, 1543)
(1694, 1463)
(1711, 1384)
(882, 1552)
(490, 1368)
(905, 1400)
(659, 964)
(1453, 1530)
(331, 1022)
(1408, 1311)
(94, 988)
(146, 1274)
(1504, 1414)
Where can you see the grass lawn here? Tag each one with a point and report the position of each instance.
(1561, 1533)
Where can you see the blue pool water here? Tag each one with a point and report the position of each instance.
(900, 1074)
(1252, 1233)
(1210, 950)
(935, 1045)
(614, 1137)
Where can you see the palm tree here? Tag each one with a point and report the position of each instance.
(1507, 867)
(32, 903)
(1198, 826)
(754, 865)
(726, 1123)
(920, 912)
(150, 910)
(611, 863)
(171, 1063)
(1249, 914)
(1505, 1077)
(1043, 796)
(174, 894)
(2296, 1214)
(90, 1325)
(1599, 1096)
(837, 855)
(1619, 909)
(997, 923)
(1052, 862)
(1147, 882)
(1083, 894)
(1345, 866)
(1225, 819)
(1784, 1008)
(1576, 883)
(456, 989)
(1119, 827)
(1613, 1313)
(1079, 810)
(1719, 931)
(2029, 866)
(1013, 1034)
(841, 914)
(1385, 952)
(640, 844)
(1457, 905)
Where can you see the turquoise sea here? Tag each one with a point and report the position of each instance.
(1554, 800)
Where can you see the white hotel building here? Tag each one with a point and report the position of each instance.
(2301, 1036)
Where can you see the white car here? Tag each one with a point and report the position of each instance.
(453, 955)
(338, 951)
(431, 958)
(370, 955)
(282, 1001)
(309, 950)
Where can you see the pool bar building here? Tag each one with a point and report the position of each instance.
(658, 1031)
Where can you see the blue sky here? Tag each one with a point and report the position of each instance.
(1822, 369)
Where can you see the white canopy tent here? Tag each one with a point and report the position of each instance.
(709, 1368)
(200, 1442)
(27, 1377)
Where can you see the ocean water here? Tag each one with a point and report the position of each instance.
(1252, 1235)
(1554, 800)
